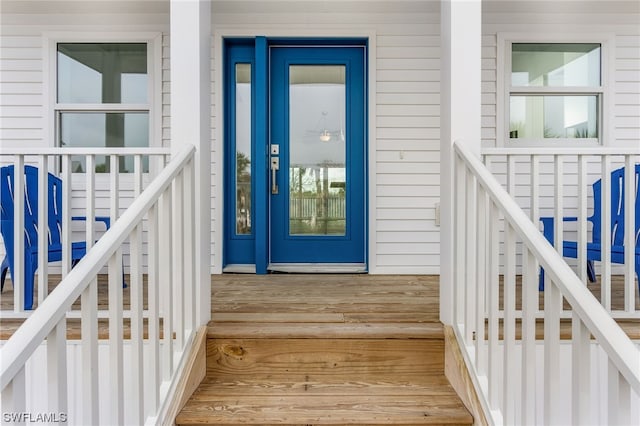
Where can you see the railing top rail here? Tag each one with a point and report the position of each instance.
(594, 151)
(85, 151)
(620, 349)
(39, 324)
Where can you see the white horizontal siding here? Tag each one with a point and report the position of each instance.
(21, 89)
(627, 88)
(408, 158)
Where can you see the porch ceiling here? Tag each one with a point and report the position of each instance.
(84, 6)
(219, 6)
(311, 6)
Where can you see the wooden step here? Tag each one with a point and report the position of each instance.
(308, 374)
(349, 357)
(325, 330)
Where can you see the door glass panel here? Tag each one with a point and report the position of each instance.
(243, 149)
(317, 150)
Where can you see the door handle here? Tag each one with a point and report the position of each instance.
(275, 166)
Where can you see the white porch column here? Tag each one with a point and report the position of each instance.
(190, 54)
(461, 40)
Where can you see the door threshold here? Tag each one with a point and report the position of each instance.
(239, 268)
(319, 268)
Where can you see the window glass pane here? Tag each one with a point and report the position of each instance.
(243, 149)
(317, 160)
(555, 64)
(100, 130)
(537, 117)
(102, 73)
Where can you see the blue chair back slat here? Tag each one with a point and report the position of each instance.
(30, 206)
(617, 208)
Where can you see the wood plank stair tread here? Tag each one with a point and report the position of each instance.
(310, 385)
(325, 330)
(340, 409)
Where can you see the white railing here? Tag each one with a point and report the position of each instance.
(100, 192)
(553, 183)
(159, 331)
(524, 369)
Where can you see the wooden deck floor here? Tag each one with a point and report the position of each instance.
(336, 303)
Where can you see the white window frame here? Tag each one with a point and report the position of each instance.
(153, 40)
(505, 90)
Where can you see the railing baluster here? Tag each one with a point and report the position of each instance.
(90, 368)
(558, 202)
(115, 305)
(90, 210)
(460, 232)
(529, 310)
(552, 310)
(605, 277)
(116, 337)
(481, 274)
(509, 325)
(137, 307)
(511, 175)
(535, 189)
(57, 368)
(178, 259)
(613, 378)
(18, 275)
(89, 304)
(582, 218)
(43, 226)
(494, 306)
(14, 395)
(153, 300)
(166, 262)
(624, 402)
(470, 276)
(189, 250)
(66, 214)
(90, 295)
(89, 298)
(509, 289)
(580, 370)
(534, 213)
(629, 234)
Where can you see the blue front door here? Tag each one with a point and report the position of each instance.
(318, 192)
(295, 152)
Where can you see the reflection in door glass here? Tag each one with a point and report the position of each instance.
(317, 150)
(243, 149)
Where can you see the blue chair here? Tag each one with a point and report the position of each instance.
(570, 248)
(78, 249)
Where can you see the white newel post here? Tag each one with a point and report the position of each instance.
(461, 39)
(190, 54)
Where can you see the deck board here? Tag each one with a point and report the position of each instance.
(309, 298)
